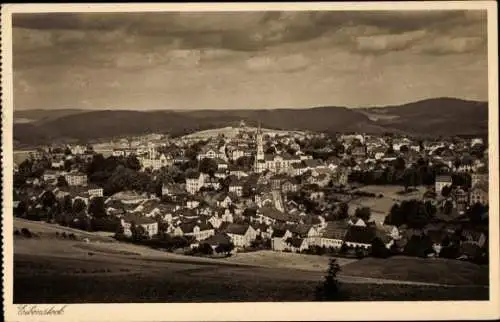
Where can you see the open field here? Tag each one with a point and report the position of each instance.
(267, 258)
(440, 270)
(380, 207)
(49, 230)
(51, 270)
(39, 279)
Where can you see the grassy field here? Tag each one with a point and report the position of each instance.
(380, 207)
(61, 281)
(269, 258)
(442, 271)
(49, 230)
(51, 270)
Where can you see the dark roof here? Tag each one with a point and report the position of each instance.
(192, 175)
(236, 229)
(279, 232)
(312, 163)
(217, 239)
(138, 220)
(300, 230)
(295, 242)
(362, 235)
(273, 213)
(335, 230)
(189, 226)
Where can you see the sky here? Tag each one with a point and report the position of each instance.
(240, 60)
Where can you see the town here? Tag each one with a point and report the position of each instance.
(247, 189)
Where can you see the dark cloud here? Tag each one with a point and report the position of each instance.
(247, 31)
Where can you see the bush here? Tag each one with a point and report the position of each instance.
(26, 233)
(72, 236)
(17, 232)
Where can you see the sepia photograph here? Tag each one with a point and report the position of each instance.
(249, 155)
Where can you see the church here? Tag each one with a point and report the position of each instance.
(275, 163)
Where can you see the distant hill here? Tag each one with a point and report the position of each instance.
(443, 116)
(440, 116)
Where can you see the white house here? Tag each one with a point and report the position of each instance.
(241, 235)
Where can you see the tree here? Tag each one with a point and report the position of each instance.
(342, 211)
(329, 289)
(97, 208)
(225, 248)
(67, 204)
(79, 206)
(133, 163)
(399, 164)
(378, 249)
(208, 166)
(205, 249)
(61, 181)
(138, 232)
(445, 192)
(363, 213)
(447, 207)
(48, 200)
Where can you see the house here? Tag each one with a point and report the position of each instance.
(271, 215)
(95, 191)
(171, 190)
(478, 177)
(210, 153)
(223, 200)
(297, 244)
(356, 222)
(199, 231)
(309, 232)
(441, 182)
(51, 175)
(149, 225)
(217, 241)
(212, 183)
(57, 164)
(221, 164)
(236, 186)
(278, 239)
(479, 194)
(76, 179)
(265, 231)
(194, 182)
(333, 235)
(241, 235)
(357, 236)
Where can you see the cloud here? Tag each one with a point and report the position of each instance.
(285, 63)
(388, 42)
(253, 59)
(245, 31)
(453, 45)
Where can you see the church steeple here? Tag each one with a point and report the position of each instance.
(259, 158)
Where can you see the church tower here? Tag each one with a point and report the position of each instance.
(259, 158)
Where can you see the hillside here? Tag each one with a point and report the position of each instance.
(442, 116)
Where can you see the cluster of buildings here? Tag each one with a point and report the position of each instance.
(241, 204)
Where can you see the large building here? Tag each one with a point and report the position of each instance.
(275, 163)
(154, 160)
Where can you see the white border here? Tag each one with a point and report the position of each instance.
(257, 311)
